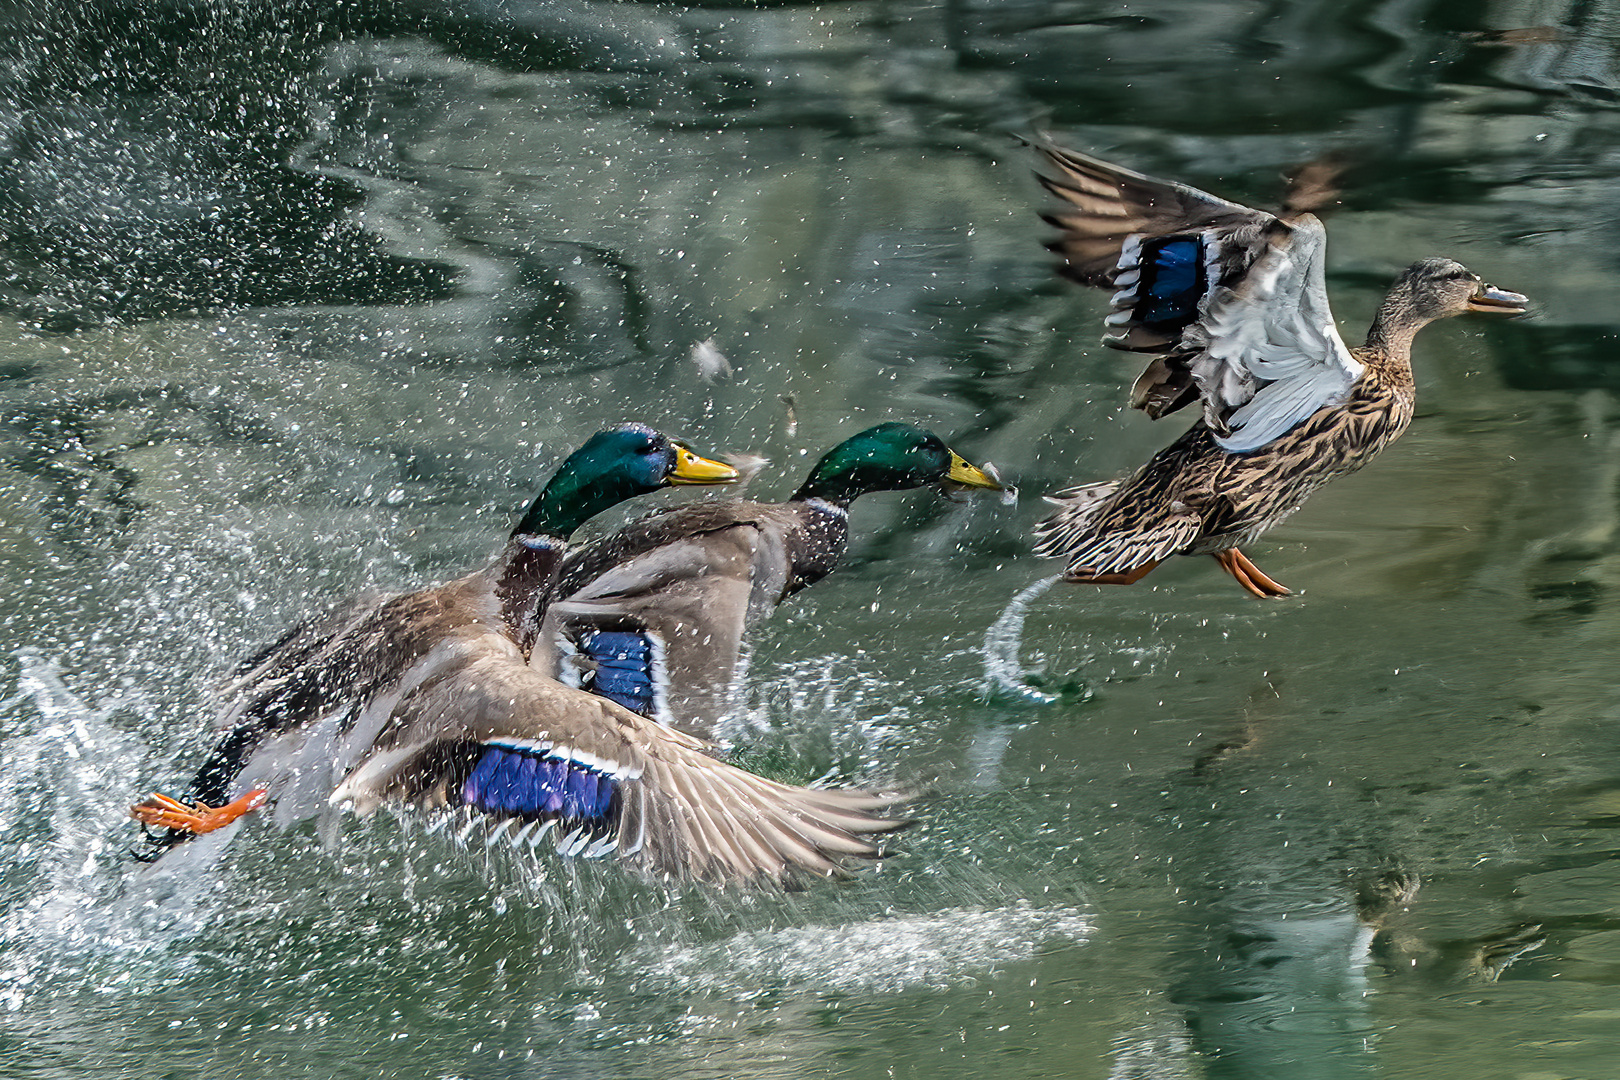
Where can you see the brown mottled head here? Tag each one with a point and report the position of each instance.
(1439, 288)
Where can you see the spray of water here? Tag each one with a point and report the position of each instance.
(1003, 672)
(67, 781)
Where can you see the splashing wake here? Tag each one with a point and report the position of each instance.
(1002, 670)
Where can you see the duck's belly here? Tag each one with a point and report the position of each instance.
(1260, 489)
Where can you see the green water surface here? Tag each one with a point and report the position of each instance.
(297, 300)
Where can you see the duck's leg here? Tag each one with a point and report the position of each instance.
(168, 813)
(1081, 575)
(1248, 575)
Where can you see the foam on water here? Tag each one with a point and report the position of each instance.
(879, 956)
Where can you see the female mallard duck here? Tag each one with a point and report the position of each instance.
(428, 698)
(1233, 304)
(653, 616)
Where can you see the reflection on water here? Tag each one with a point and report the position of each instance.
(303, 299)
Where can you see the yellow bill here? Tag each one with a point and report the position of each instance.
(969, 475)
(692, 469)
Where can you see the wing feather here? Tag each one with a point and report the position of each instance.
(1269, 353)
(1233, 300)
(692, 580)
(682, 813)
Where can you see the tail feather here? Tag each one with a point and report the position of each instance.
(1079, 499)
(1097, 532)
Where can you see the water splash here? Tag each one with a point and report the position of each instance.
(833, 708)
(66, 783)
(71, 761)
(1002, 669)
(884, 956)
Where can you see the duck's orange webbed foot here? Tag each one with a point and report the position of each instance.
(168, 813)
(1248, 575)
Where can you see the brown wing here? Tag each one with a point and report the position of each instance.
(1165, 248)
(1233, 300)
(1108, 204)
(687, 583)
(670, 808)
(688, 601)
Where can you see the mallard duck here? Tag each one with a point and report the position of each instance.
(653, 616)
(428, 698)
(1232, 303)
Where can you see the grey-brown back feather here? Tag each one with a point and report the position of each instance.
(589, 561)
(696, 576)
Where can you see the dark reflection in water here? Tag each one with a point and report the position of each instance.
(303, 298)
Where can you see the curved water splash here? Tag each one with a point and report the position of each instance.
(1002, 670)
(66, 782)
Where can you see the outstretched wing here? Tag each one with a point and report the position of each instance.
(1268, 355)
(660, 634)
(1232, 301)
(549, 761)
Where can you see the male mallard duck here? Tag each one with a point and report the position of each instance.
(653, 616)
(1233, 303)
(428, 698)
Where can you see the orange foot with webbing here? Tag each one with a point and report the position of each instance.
(1248, 575)
(1084, 575)
(167, 813)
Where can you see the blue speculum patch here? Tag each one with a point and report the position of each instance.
(527, 783)
(1173, 282)
(623, 670)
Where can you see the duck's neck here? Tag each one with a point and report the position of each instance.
(1389, 339)
(530, 562)
(828, 507)
(834, 489)
(569, 501)
(816, 551)
(528, 568)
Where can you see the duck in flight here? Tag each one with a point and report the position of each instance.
(1231, 304)
(428, 699)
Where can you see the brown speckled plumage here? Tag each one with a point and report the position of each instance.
(1193, 498)
(1232, 305)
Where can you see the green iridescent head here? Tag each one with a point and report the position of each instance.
(614, 465)
(889, 457)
